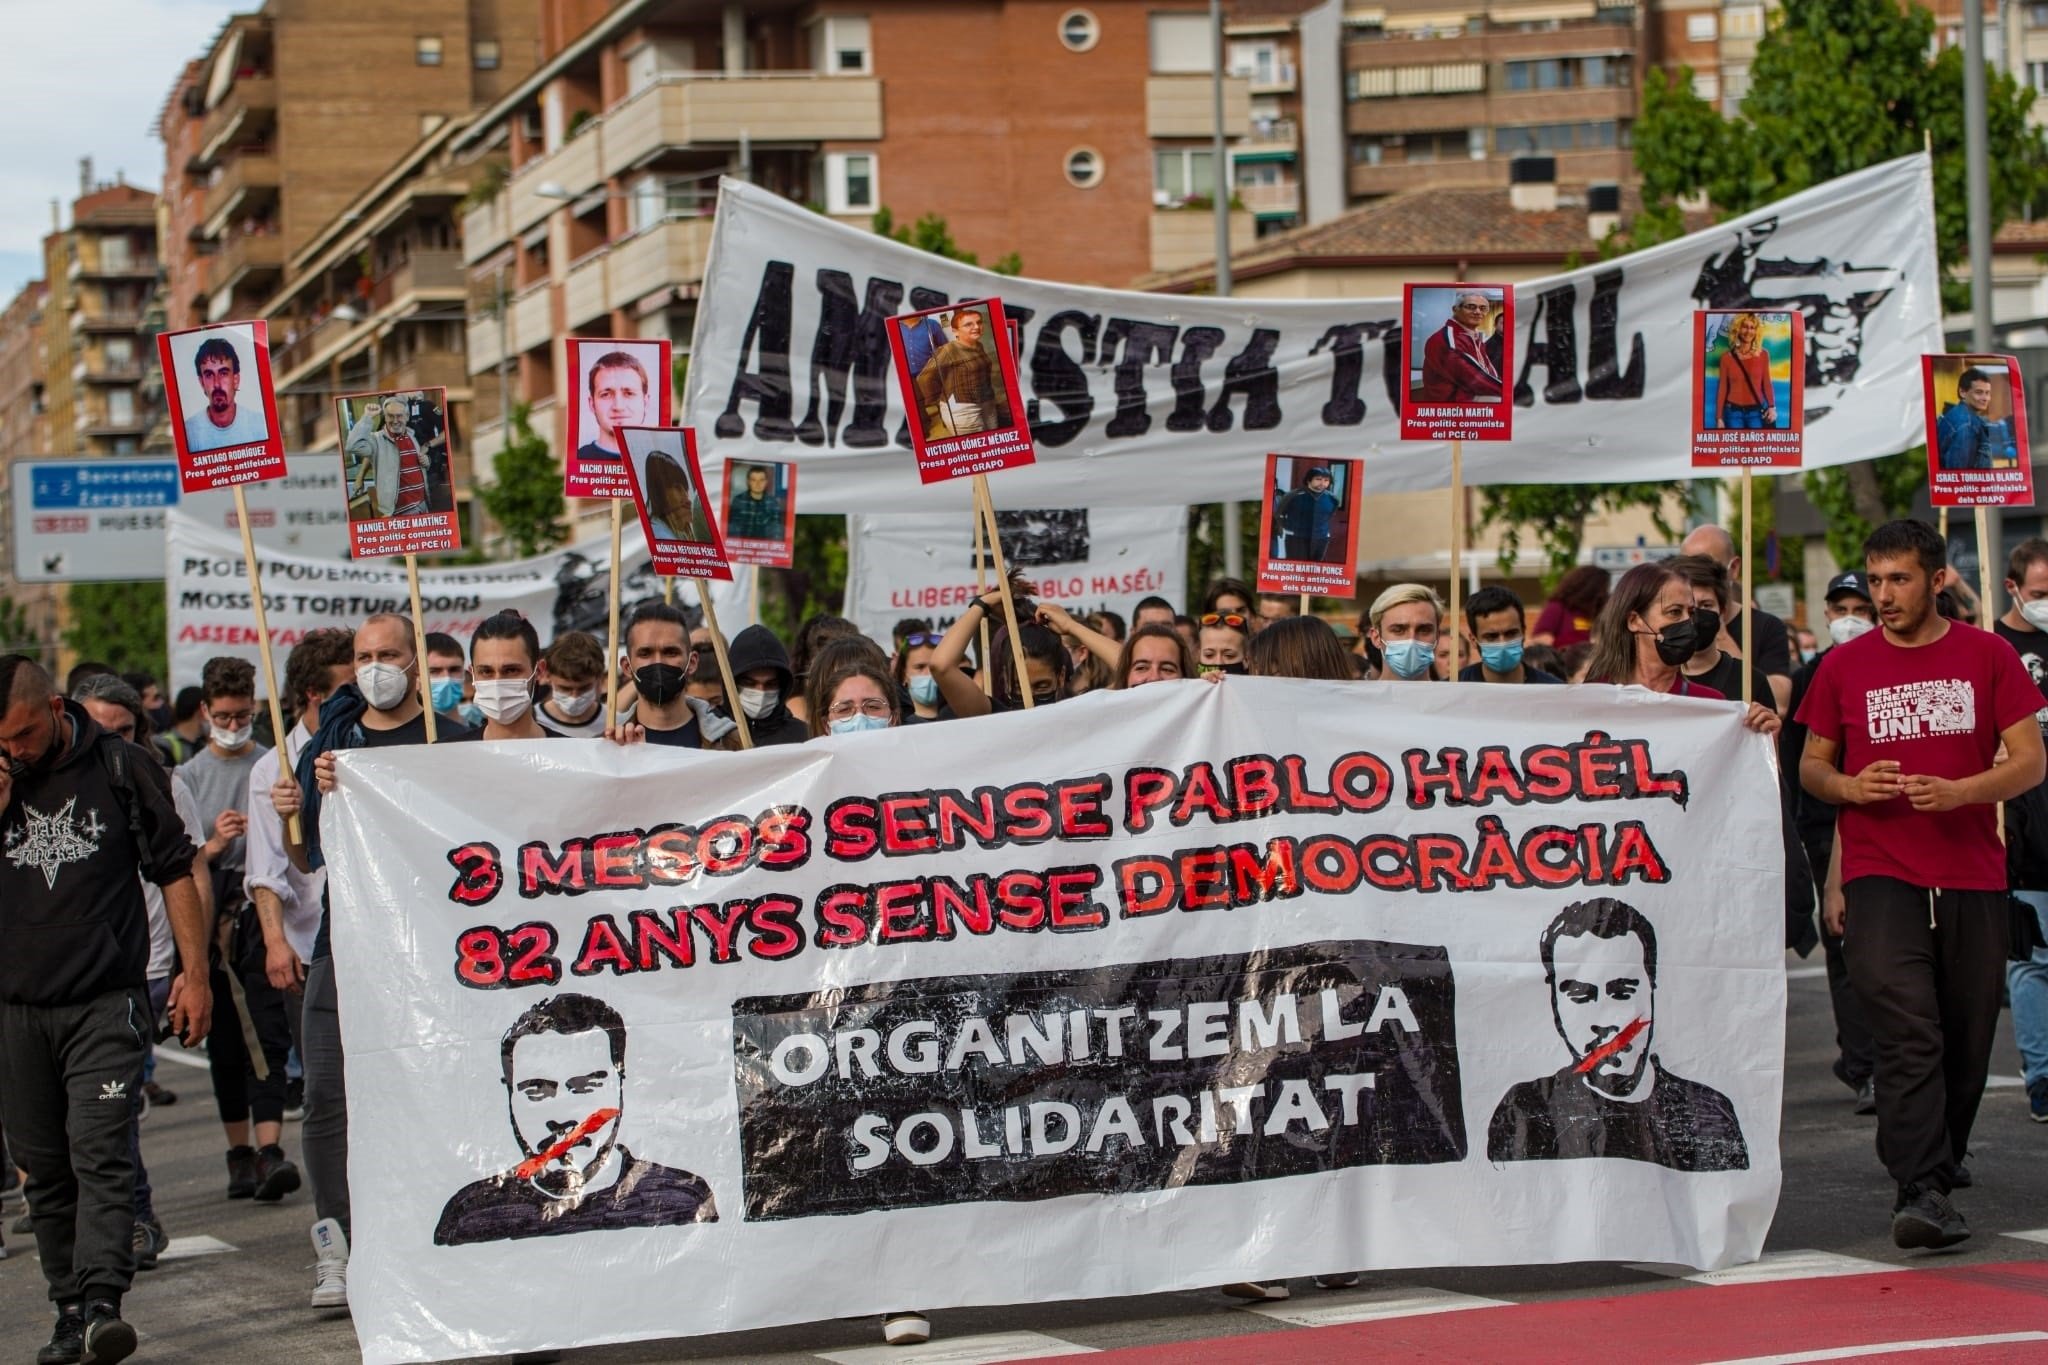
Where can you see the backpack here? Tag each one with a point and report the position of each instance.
(112, 753)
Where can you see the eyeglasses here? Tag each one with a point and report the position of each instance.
(918, 639)
(232, 720)
(1224, 618)
(847, 710)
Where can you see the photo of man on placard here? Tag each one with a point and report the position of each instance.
(755, 509)
(1975, 428)
(618, 391)
(1456, 351)
(564, 1063)
(213, 364)
(960, 386)
(1614, 1098)
(390, 471)
(1305, 515)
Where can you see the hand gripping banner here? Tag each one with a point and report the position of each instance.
(1133, 395)
(1154, 990)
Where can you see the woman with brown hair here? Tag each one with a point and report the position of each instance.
(671, 503)
(1647, 632)
(1153, 654)
(1567, 618)
(851, 689)
(1299, 647)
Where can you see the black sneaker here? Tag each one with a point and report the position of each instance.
(1926, 1220)
(1960, 1178)
(148, 1240)
(107, 1338)
(157, 1096)
(275, 1176)
(1866, 1098)
(241, 1172)
(67, 1343)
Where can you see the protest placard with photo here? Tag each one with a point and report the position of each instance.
(395, 461)
(1748, 389)
(223, 408)
(958, 368)
(617, 382)
(1308, 532)
(1460, 341)
(1977, 454)
(667, 486)
(760, 513)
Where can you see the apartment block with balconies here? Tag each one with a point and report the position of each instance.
(102, 273)
(1437, 96)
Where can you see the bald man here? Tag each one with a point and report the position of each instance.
(1773, 652)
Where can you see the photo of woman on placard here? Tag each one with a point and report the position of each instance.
(1745, 395)
(672, 505)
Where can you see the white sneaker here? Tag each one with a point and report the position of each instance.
(1256, 1292)
(330, 1266)
(906, 1329)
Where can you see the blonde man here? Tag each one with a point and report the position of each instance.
(1405, 620)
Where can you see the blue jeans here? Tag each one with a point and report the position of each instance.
(2028, 983)
(1742, 417)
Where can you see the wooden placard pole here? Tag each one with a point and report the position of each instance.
(1986, 553)
(1943, 515)
(987, 674)
(263, 638)
(668, 590)
(419, 644)
(732, 690)
(987, 503)
(1304, 604)
(1456, 623)
(611, 654)
(1748, 581)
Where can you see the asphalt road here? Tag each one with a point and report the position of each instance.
(245, 1300)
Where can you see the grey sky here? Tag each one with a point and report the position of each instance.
(85, 80)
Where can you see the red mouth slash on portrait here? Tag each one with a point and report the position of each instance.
(535, 1164)
(1611, 1046)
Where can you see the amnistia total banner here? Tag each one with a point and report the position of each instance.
(921, 564)
(1154, 990)
(208, 610)
(1132, 395)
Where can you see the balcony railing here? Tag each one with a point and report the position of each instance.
(666, 255)
(1185, 237)
(248, 98)
(1271, 200)
(245, 174)
(247, 253)
(427, 370)
(696, 108)
(1183, 106)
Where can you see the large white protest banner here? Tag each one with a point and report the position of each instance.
(208, 611)
(921, 564)
(1150, 990)
(1134, 395)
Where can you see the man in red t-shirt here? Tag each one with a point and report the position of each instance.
(1904, 729)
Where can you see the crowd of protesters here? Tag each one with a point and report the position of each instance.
(204, 906)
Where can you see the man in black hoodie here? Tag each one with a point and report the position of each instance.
(79, 821)
(760, 669)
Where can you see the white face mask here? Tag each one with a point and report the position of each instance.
(383, 685)
(2035, 613)
(576, 705)
(758, 701)
(231, 740)
(504, 700)
(1843, 629)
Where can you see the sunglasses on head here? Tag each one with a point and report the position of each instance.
(917, 639)
(1224, 618)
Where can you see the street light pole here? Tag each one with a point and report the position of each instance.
(1976, 170)
(1233, 533)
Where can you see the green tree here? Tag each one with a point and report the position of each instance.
(526, 500)
(118, 624)
(1556, 514)
(1838, 85)
(930, 233)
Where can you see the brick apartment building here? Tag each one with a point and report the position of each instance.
(24, 367)
(101, 272)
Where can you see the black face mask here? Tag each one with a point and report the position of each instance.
(1677, 642)
(659, 683)
(1706, 626)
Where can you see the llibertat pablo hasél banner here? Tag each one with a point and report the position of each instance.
(208, 612)
(1150, 990)
(1132, 396)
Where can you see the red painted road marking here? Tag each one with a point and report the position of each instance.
(1682, 1325)
(1611, 1046)
(535, 1164)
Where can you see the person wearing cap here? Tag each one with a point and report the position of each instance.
(1849, 614)
(2025, 627)
(1304, 517)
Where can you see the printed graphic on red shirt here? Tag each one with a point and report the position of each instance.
(1918, 710)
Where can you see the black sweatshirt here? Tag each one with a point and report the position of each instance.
(73, 924)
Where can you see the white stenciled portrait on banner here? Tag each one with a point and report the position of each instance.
(218, 390)
(564, 1073)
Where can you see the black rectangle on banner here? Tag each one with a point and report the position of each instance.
(1139, 1076)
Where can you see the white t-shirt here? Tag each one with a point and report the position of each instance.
(266, 863)
(246, 430)
(163, 947)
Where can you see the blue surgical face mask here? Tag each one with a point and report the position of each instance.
(447, 693)
(857, 722)
(1502, 657)
(1409, 658)
(924, 689)
(472, 715)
